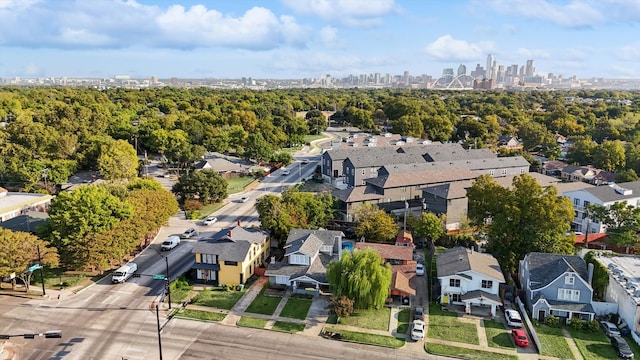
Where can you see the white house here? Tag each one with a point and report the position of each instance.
(469, 278)
(606, 195)
(624, 287)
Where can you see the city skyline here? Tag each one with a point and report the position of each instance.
(291, 39)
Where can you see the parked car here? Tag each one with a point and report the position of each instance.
(418, 313)
(513, 318)
(520, 337)
(622, 348)
(285, 172)
(417, 330)
(188, 234)
(209, 220)
(610, 329)
(244, 199)
(419, 269)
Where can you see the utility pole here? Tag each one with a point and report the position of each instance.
(41, 275)
(159, 330)
(167, 284)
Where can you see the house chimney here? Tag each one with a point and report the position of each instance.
(238, 222)
(229, 233)
(589, 273)
(273, 259)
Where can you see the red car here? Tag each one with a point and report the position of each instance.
(520, 337)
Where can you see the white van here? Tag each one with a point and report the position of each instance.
(513, 318)
(170, 243)
(124, 272)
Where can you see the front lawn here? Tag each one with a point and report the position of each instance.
(553, 342)
(446, 326)
(287, 327)
(593, 345)
(368, 319)
(404, 317)
(296, 308)
(180, 289)
(264, 304)
(465, 353)
(252, 322)
(238, 183)
(370, 339)
(201, 315)
(218, 298)
(497, 335)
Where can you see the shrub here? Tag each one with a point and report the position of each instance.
(552, 321)
(576, 323)
(592, 326)
(342, 306)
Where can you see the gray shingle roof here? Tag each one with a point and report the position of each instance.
(545, 268)
(231, 244)
(326, 236)
(608, 194)
(308, 245)
(459, 259)
(474, 294)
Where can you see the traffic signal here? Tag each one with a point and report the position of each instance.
(53, 334)
(29, 336)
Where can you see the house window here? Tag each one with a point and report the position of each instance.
(568, 294)
(208, 259)
(569, 279)
(586, 203)
(231, 263)
(522, 170)
(576, 201)
(487, 284)
(454, 282)
(456, 298)
(404, 189)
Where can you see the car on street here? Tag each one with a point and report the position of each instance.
(419, 269)
(513, 318)
(189, 233)
(170, 243)
(244, 199)
(520, 337)
(305, 162)
(610, 329)
(417, 330)
(622, 348)
(418, 313)
(209, 220)
(285, 172)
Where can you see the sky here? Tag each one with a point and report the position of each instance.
(293, 39)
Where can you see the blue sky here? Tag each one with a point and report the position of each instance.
(307, 38)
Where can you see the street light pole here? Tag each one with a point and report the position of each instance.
(167, 284)
(41, 275)
(159, 330)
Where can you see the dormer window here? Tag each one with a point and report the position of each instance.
(569, 279)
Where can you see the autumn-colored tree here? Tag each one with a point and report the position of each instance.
(19, 250)
(374, 224)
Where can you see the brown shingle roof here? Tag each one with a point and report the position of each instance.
(387, 251)
(399, 281)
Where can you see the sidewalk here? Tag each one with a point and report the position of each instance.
(239, 308)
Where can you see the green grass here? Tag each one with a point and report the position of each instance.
(207, 210)
(53, 278)
(553, 342)
(464, 353)
(180, 289)
(593, 345)
(201, 315)
(497, 335)
(446, 326)
(310, 138)
(264, 304)
(404, 316)
(296, 308)
(368, 319)
(218, 298)
(370, 339)
(237, 184)
(252, 322)
(287, 327)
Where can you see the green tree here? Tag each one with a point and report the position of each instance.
(74, 215)
(428, 225)
(582, 151)
(610, 155)
(257, 148)
(118, 161)
(622, 222)
(374, 224)
(206, 186)
(19, 250)
(522, 219)
(626, 176)
(362, 277)
(534, 134)
(600, 276)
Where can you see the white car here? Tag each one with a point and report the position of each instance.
(189, 233)
(513, 318)
(244, 199)
(209, 220)
(285, 172)
(420, 269)
(305, 162)
(417, 330)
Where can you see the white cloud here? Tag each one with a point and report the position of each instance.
(348, 12)
(83, 24)
(446, 48)
(324, 63)
(17, 4)
(534, 53)
(328, 36)
(629, 53)
(577, 13)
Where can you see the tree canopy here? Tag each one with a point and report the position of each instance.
(19, 250)
(520, 219)
(622, 222)
(374, 224)
(362, 276)
(206, 186)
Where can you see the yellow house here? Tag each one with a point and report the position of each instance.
(231, 256)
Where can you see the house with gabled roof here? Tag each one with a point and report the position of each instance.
(509, 142)
(469, 278)
(558, 285)
(231, 256)
(403, 267)
(307, 254)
